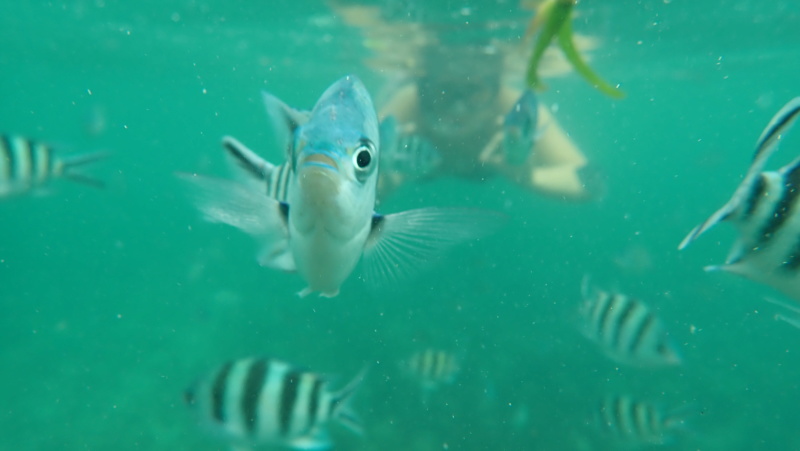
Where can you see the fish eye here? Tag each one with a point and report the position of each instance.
(362, 157)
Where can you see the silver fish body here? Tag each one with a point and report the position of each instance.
(317, 217)
(627, 330)
(259, 401)
(332, 196)
(26, 165)
(765, 210)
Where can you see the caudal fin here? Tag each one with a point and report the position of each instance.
(70, 168)
(340, 404)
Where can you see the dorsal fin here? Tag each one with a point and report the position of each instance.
(284, 121)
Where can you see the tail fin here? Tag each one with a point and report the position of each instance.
(339, 404)
(767, 144)
(67, 167)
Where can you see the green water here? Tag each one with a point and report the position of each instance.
(115, 300)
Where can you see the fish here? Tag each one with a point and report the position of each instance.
(765, 212)
(520, 128)
(253, 401)
(27, 165)
(433, 367)
(314, 214)
(408, 154)
(627, 329)
(639, 422)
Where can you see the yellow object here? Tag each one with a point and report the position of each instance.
(553, 16)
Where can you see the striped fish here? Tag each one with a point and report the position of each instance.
(638, 422)
(765, 211)
(433, 367)
(257, 401)
(627, 329)
(26, 165)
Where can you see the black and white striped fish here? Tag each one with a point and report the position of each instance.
(626, 329)
(433, 367)
(26, 165)
(257, 401)
(765, 210)
(637, 422)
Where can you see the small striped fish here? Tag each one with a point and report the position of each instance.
(627, 329)
(635, 421)
(433, 367)
(26, 165)
(256, 401)
(765, 211)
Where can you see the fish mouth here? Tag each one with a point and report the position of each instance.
(319, 175)
(321, 159)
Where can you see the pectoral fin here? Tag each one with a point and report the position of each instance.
(401, 244)
(253, 212)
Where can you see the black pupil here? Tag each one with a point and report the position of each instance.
(363, 158)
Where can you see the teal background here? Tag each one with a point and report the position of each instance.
(114, 301)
